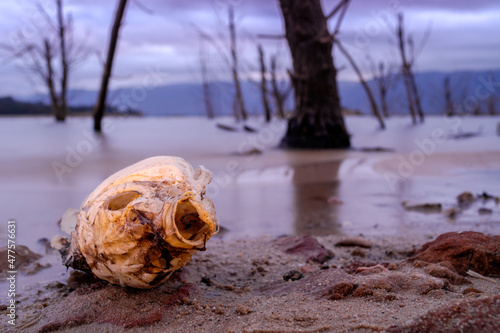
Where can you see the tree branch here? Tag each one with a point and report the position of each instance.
(336, 9)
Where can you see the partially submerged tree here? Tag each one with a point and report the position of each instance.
(263, 83)
(371, 99)
(239, 104)
(52, 57)
(280, 93)
(230, 56)
(447, 97)
(103, 91)
(318, 120)
(384, 77)
(407, 53)
(205, 83)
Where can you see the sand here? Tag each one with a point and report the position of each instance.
(238, 286)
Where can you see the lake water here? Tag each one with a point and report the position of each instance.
(46, 168)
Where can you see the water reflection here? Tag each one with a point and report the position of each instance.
(313, 186)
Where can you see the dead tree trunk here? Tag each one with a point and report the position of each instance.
(416, 96)
(405, 68)
(318, 120)
(383, 79)
(101, 100)
(49, 81)
(447, 97)
(279, 97)
(491, 105)
(63, 105)
(205, 84)
(373, 103)
(239, 102)
(263, 83)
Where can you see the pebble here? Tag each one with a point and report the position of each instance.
(361, 242)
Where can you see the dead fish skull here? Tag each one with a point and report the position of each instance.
(143, 222)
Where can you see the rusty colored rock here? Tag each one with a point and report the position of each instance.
(445, 273)
(478, 315)
(305, 246)
(463, 251)
(340, 290)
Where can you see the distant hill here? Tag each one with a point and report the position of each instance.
(11, 107)
(187, 99)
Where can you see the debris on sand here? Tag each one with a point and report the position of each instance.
(250, 129)
(423, 207)
(465, 199)
(485, 211)
(227, 128)
(451, 212)
(249, 152)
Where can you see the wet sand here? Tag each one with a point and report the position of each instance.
(330, 194)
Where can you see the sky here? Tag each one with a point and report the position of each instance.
(159, 43)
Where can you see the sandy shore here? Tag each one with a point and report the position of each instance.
(239, 286)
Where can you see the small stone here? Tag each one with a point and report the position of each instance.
(358, 252)
(371, 270)
(361, 242)
(445, 273)
(305, 246)
(340, 291)
(308, 268)
(451, 213)
(293, 275)
(485, 211)
(241, 310)
(471, 290)
(465, 199)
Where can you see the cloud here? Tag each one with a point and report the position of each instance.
(461, 37)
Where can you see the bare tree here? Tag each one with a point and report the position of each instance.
(373, 103)
(239, 104)
(103, 91)
(41, 59)
(384, 77)
(207, 96)
(450, 111)
(407, 62)
(279, 94)
(263, 83)
(318, 120)
(491, 105)
(230, 57)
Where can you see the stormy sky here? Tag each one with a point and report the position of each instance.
(159, 44)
